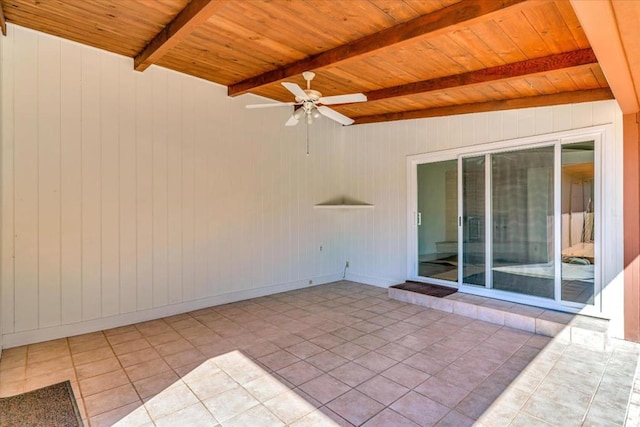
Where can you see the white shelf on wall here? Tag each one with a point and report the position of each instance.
(343, 203)
(343, 206)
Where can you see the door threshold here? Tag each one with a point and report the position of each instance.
(582, 330)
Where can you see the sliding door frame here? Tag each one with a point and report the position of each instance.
(601, 135)
(412, 214)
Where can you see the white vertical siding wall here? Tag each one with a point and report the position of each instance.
(375, 172)
(128, 196)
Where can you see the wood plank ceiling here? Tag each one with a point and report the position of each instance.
(412, 58)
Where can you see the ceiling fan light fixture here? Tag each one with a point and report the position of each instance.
(309, 119)
(298, 113)
(316, 114)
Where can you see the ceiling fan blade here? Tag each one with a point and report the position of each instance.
(292, 121)
(275, 104)
(334, 115)
(343, 99)
(296, 90)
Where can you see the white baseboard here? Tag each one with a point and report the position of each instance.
(382, 282)
(62, 331)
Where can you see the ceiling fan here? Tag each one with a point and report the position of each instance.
(310, 103)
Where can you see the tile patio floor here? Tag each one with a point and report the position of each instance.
(337, 354)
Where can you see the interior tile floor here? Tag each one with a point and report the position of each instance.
(338, 354)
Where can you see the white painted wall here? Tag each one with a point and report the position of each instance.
(128, 196)
(375, 171)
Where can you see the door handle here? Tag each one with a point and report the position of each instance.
(419, 218)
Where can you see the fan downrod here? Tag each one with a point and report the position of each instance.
(308, 76)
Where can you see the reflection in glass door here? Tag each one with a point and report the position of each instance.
(578, 222)
(438, 220)
(523, 221)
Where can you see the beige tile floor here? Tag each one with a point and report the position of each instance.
(337, 354)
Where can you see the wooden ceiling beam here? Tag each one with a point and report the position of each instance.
(192, 16)
(506, 104)
(502, 72)
(465, 12)
(3, 23)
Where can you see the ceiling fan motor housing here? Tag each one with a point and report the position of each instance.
(313, 95)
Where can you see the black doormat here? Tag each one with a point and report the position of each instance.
(53, 405)
(426, 289)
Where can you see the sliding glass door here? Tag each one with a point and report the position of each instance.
(474, 220)
(438, 220)
(520, 222)
(578, 222)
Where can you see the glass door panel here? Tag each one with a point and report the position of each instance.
(578, 221)
(522, 222)
(473, 220)
(438, 220)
